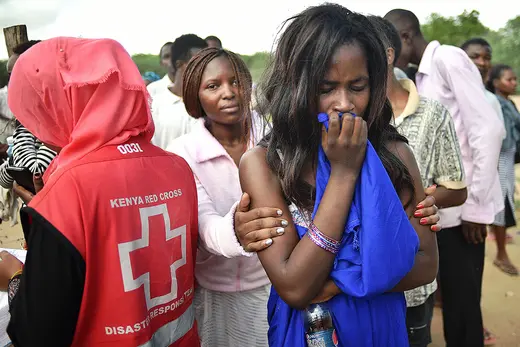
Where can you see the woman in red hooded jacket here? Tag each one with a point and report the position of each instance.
(114, 230)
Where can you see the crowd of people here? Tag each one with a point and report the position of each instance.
(198, 209)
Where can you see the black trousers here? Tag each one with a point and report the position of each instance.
(461, 266)
(418, 322)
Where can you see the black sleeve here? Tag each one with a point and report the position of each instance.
(45, 310)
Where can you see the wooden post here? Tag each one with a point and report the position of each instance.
(14, 36)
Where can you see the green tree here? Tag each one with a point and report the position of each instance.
(454, 30)
(506, 44)
(448, 30)
(256, 63)
(149, 62)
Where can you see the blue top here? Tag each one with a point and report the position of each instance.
(378, 249)
(511, 123)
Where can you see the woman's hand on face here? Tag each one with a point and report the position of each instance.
(9, 265)
(255, 229)
(345, 143)
(426, 210)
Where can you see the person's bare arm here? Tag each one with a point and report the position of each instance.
(445, 197)
(426, 264)
(451, 189)
(297, 268)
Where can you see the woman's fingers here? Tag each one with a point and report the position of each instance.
(258, 246)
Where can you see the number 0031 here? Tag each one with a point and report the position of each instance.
(129, 148)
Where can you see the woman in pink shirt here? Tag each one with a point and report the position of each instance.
(233, 287)
(231, 299)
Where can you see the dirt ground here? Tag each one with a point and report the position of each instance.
(10, 237)
(500, 293)
(500, 300)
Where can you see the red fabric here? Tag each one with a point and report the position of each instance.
(62, 90)
(129, 208)
(94, 214)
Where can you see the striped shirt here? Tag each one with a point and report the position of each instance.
(29, 153)
(432, 138)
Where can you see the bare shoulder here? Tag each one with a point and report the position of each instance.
(254, 156)
(254, 166)
(258, 180)
(402, 151)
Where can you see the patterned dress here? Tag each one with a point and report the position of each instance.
(506, 172)
(506, 163)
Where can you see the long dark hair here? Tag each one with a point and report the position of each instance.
(192, 79)
(495, 74)
(290, 88)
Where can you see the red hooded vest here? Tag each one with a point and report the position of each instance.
(131, 212)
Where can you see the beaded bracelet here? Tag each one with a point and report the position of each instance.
(19, 272)
(331, 246)
(13, 286)
(322, 240)
(315, 229)
(319, 242)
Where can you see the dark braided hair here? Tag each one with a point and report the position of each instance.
(290, 91)
(192, 79)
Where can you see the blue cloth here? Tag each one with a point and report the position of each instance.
(378, 249)
(151, 76)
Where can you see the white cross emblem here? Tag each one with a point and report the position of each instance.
(131, 283)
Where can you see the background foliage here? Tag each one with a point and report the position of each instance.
(448, 30)
(150, 62)
(455, 30)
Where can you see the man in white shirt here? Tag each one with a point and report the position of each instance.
(447, 75)
(168, 111)
(162, 85)
(479, 51)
